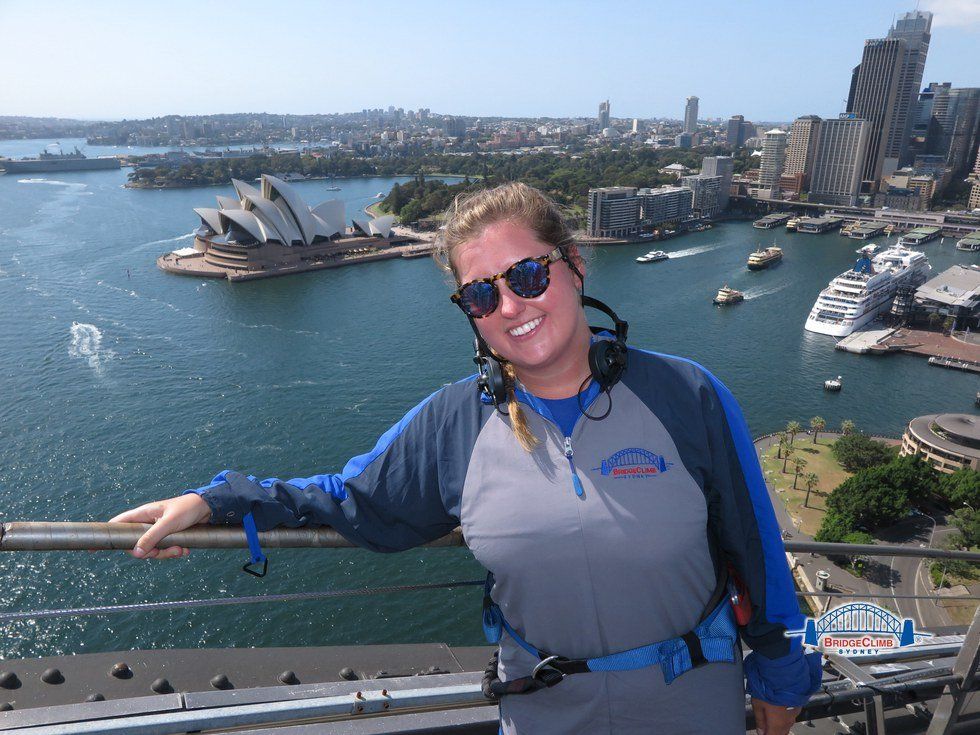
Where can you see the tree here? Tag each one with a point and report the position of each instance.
(798, 464)
(834, 527)
(787, 453)
(793, 428)
(846, 427)
(781, 445)
(857, 452)
(818, 425)
(961, 488)
(967, 521)
(811, 481)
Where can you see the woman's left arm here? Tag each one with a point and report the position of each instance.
(778, 672)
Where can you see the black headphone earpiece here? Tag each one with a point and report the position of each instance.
(608, 358)
(491, 378)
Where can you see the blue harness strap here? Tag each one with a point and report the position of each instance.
(714, 639)
(256, 556)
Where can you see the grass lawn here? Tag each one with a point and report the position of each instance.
(821, 462)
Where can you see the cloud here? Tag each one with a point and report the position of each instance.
(954, 13)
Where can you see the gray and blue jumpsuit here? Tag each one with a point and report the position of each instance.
(623, 556)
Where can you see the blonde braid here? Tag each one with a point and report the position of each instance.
(518, 421)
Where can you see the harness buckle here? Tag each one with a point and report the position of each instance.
(546, 673)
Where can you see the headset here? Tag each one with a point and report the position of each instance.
(608, 359)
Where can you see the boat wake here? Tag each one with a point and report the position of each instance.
(754, 293)
(169, 239)
(53, 182)
(86, 344)
(694, 251)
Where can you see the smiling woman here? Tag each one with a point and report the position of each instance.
(611, 535)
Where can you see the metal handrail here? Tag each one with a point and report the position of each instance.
(75, 536)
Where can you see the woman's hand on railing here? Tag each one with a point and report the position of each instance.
(167, 517)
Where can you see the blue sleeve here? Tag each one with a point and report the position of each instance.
(403, 493)
(778, 671)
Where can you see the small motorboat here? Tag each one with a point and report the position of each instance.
(868, 250)
(653, 256)
(834, 384)
(728, 295)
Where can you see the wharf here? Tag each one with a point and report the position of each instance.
(970, 366)
(930, 344)
(864, 340)
(772, 220)
(866, 230)
(817, 225)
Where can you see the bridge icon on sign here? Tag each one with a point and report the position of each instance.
(857, 620)
(633, 462)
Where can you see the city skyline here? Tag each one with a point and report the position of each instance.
(127, 62)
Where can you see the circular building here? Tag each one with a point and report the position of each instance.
(948, 441)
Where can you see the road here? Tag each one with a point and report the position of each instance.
(883, 575)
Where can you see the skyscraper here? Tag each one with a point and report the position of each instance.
(884, 89)
(874, 100)
(603, 119)
(914, 29)
(614, 211)
(837, 161)
(964, 126)
(773, 158)
(802, 144)
(735, 138)
(691, 115)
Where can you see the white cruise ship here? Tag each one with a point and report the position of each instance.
(860, 294)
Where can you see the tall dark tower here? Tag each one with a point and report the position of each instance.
(915, 29)
(874, 99)
(884, 89)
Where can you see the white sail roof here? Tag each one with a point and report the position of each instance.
(275, 189)
(211, 218)
(381, 226)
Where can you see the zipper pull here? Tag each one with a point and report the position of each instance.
(577, 483)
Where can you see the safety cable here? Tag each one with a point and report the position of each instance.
(248, 600)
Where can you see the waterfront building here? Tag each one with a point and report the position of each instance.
(874, 95)
(801, 146)
(665, 204)
(614, 211)
(602, 120)
(269, 231)
(837, 161)
(723, 166)
(953, 293)
(947, 441)
(705, 194)
(771, 164)
(691, 115)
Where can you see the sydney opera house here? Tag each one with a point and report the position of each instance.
(272, 231)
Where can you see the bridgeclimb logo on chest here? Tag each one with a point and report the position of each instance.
(633, 463)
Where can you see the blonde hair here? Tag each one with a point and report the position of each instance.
(468, 216)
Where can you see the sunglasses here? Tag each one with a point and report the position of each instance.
(527, 278)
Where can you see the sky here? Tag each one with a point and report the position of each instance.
(767, 60)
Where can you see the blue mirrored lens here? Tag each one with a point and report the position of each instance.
(479, 299)
(528, 279)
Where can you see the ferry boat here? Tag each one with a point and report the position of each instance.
(857, 296)
(653, 256)
(833, 385)
(763, 258)
(792, 223)
(970, 242)
(727, 295)
(920, 236)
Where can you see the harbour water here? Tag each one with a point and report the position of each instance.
(122, 384)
